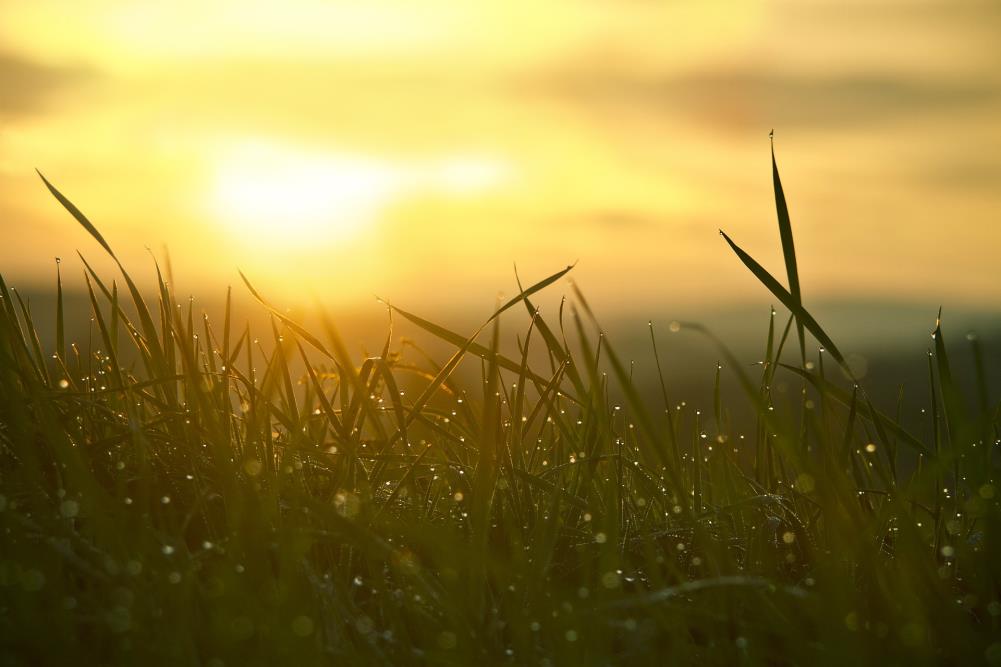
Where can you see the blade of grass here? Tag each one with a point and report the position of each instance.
(783, 295)
(788, 248)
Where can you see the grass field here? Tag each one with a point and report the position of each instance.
(180, 491)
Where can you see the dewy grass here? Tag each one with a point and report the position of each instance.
(173, 493)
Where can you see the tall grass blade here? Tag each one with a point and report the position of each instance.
(788, 248)
(60, 319)
(789, 302)
(78, 214)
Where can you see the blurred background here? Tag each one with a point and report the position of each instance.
(417, 150)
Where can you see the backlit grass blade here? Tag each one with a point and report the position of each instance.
(639, 411)
(287, 321)
(866, 409)
(78, 214)
(979, 367)
(485, 473)
(525, 293)
(672, 436)
(788, 249)
(518, 404)
(522, 296)
(328, 409)
(149, 330)
(955, 408)
(105, 333)
(60, 321)
(32, 334)
(465, 344)
(559, 352)
(788, 301)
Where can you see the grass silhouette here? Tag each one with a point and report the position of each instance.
(177, 493)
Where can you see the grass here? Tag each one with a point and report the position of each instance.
(175, 492)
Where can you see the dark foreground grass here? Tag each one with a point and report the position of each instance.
(175, 492)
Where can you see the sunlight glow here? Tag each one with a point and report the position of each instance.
(380, 141)
(281, 197)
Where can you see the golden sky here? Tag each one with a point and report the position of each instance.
(416, 149)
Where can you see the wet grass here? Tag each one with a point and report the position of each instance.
(180, 491)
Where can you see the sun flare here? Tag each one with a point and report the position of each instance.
(283, 198)
(293, 199)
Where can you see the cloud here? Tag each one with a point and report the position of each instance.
(26, 86)
(839, 100)
(967, 172)
(737, 98)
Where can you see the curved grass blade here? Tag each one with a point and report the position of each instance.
(152, 341)
(955, 408)
(789, 302)
(788, 247)
(60, 321)
(290, 323)
(866, 409)
(78, 214)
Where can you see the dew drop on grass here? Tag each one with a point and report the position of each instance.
(302, 626)
(611, 579)
(365, 625)
(804, 483)
(69, 508)
(447, 640)
(119, 619)
(32, 580)
(242, 628)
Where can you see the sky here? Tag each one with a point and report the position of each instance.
(420, 149)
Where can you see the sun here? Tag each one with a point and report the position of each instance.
(282, 197)
(278, 197)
